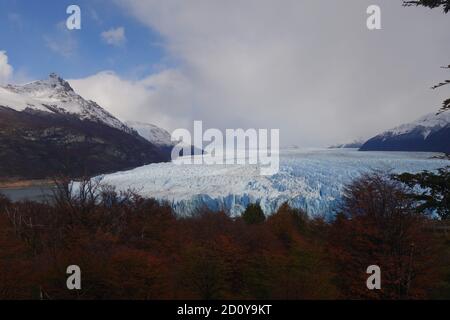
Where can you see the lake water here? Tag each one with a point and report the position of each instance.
(34, 193)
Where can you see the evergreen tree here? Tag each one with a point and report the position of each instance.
(434, 194)
(445, 4)
(253, 214)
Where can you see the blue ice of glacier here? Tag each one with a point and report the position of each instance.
(311, 180)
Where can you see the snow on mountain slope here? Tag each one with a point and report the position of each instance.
(56, 95)
(355, 144)
(18, 102)
(312, 180)
(152, 133)
(425, 125)
(430, 133)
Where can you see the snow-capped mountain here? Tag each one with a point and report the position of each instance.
(429, 133)
(47, 129)
(56, 95)
(152, 133)
(157, 136)
(351, 145)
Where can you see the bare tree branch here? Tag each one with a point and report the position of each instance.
(429, 3)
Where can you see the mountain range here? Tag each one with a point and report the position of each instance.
(429, 133)
(47, 129)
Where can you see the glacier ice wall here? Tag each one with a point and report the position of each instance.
(311, 180)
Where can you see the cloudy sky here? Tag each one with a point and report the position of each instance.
(309, 68)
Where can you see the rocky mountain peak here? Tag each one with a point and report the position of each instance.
(55, 79)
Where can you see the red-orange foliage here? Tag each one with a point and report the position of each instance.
(16, 265)
(378, 225)
(132, 248)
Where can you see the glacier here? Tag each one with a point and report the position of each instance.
(309, 179)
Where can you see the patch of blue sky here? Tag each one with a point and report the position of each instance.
(34, 35)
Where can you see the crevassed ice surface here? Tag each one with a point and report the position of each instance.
(311, 180)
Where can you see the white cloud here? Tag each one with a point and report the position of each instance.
(114, 36)
(62, 41)
(311, 69)
(6, 70)
(161, 98)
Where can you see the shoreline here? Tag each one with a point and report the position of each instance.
(19, 184)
